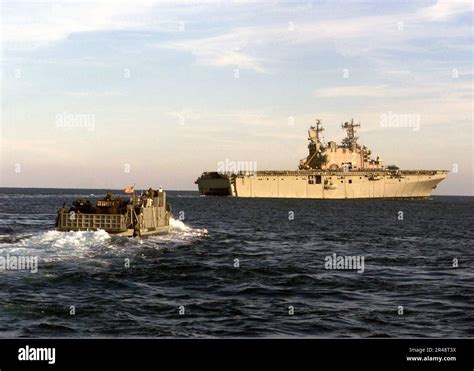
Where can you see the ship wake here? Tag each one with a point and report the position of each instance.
(55, 245)
(181, 234)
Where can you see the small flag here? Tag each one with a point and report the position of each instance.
(129, 189)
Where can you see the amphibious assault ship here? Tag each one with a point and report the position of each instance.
(330, 171)
(143, 215)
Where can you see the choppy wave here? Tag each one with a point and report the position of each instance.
(281, 263)
(55, 244)
(60, 196)
(180, 233)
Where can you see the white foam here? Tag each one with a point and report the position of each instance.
(89, 244)
(177, 224)
(60, 245)
(181, 233)
(61, 239)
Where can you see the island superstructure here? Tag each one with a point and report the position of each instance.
(330, 171)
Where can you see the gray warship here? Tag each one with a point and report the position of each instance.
(143, 215)
(330, 171)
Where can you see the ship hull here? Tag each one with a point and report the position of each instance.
(214, 184)
(324, 184)
(125, 233)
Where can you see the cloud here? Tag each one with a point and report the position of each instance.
(353, 91)
(446, 9)
(243, 47)
(37, 24)
(240, 47)
(95, 94)
(37, 150)
(460, 90)
(229, 49)
(40, 23)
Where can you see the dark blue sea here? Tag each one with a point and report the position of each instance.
(242, 268)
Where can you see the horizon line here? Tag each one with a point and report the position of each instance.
(192, 190)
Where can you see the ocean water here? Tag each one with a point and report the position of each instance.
(242, 268)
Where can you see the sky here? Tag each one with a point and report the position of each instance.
(106, 94)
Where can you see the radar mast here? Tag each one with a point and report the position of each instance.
(351, 140)
(314, 131)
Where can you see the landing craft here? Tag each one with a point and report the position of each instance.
(143, 215)
(332, 171)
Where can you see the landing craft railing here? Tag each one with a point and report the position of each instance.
(77, 221)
